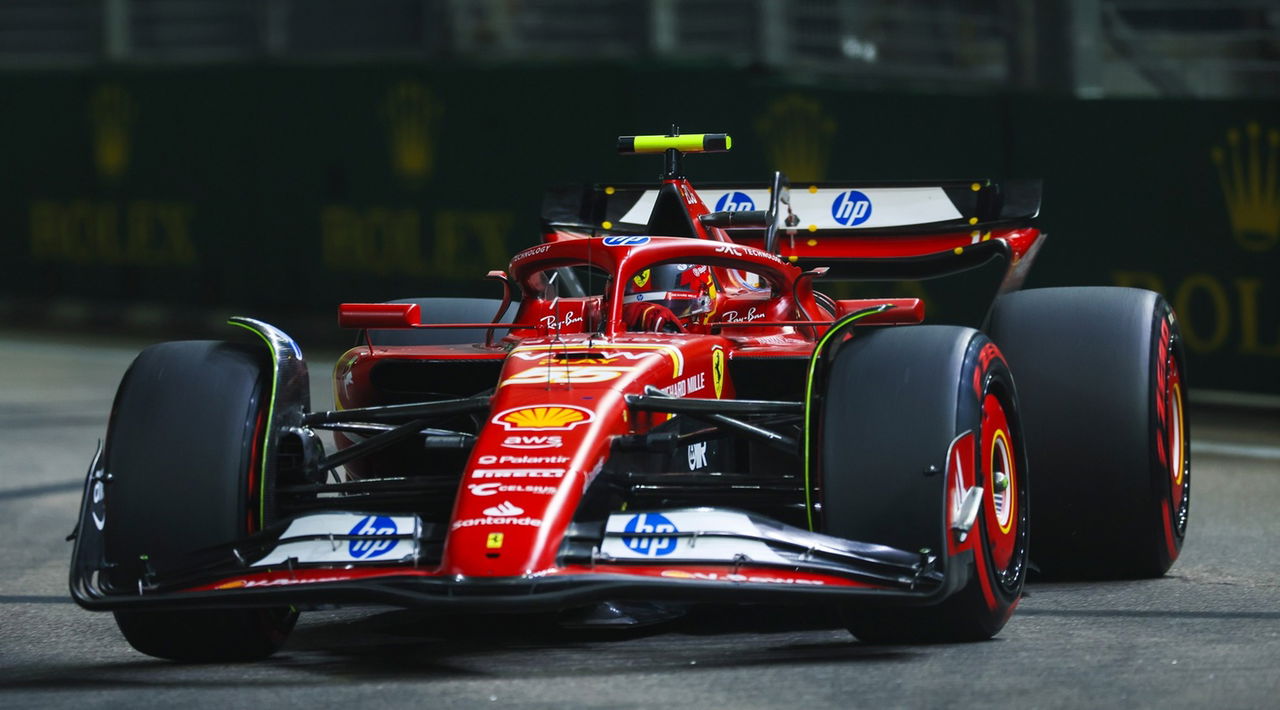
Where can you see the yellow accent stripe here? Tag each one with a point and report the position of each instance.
(1010, 499)
(677, 357)
(839, 328)
(271, 415)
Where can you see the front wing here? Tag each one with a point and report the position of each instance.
(329, 558)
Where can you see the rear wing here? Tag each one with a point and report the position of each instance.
(853, 209)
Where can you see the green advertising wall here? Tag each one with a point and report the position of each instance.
(265, 189)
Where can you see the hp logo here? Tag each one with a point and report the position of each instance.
(625, 241)
(651, 546)
(371, 525)
(735, 202)
(851, 208)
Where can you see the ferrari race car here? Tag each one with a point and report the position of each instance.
(665, 406)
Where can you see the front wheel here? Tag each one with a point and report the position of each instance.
(207, 635)
(183, 451)
(914, 421)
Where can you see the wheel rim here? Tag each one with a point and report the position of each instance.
(1000, 483)
(1175, 442)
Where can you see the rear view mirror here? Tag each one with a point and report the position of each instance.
(379, 315)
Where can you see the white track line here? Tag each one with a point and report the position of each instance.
(1222, 448)
(1234, 399)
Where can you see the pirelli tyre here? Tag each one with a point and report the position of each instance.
(183, 452)
(1103, 389)
(445, 310)
(913, 422)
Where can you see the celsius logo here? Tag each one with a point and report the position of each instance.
(735, 202)
(372, 525)
(651, 546)
(625, 241)
(851, 208)
(493, 489)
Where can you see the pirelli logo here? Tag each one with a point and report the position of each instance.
(518, 473)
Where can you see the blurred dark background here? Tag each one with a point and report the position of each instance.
(169, 162)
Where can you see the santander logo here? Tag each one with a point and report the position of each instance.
(505, 509)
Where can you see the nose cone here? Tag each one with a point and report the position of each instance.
(529, 469)
(555, 413)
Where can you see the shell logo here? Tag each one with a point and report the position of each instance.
(544, 418)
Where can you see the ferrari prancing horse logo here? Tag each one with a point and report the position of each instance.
(717, 371)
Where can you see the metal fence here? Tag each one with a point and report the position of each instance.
(1180, 48)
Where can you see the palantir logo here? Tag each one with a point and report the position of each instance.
(651, 546)
(372, 525)
(851, 208)
(735, 202)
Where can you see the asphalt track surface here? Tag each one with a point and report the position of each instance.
(1206, 635)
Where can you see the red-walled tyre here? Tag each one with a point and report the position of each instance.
(1103, 389)
(183, 452)
(899, 405)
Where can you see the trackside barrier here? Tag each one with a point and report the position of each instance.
(291, 189)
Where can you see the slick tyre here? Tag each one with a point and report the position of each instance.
(912, 420)
(183, 453)
(444, 310)
(1102, 384)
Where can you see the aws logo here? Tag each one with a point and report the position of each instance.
(1247, 172)
(411, 112)
(111, 114)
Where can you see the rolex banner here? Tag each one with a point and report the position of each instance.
(287, 190)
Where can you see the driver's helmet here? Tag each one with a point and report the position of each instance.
(685, 289)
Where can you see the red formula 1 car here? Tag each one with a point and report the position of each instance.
(664, 407)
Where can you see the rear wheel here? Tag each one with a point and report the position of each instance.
(903, 407)
(1100, 373)
(184, 454)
